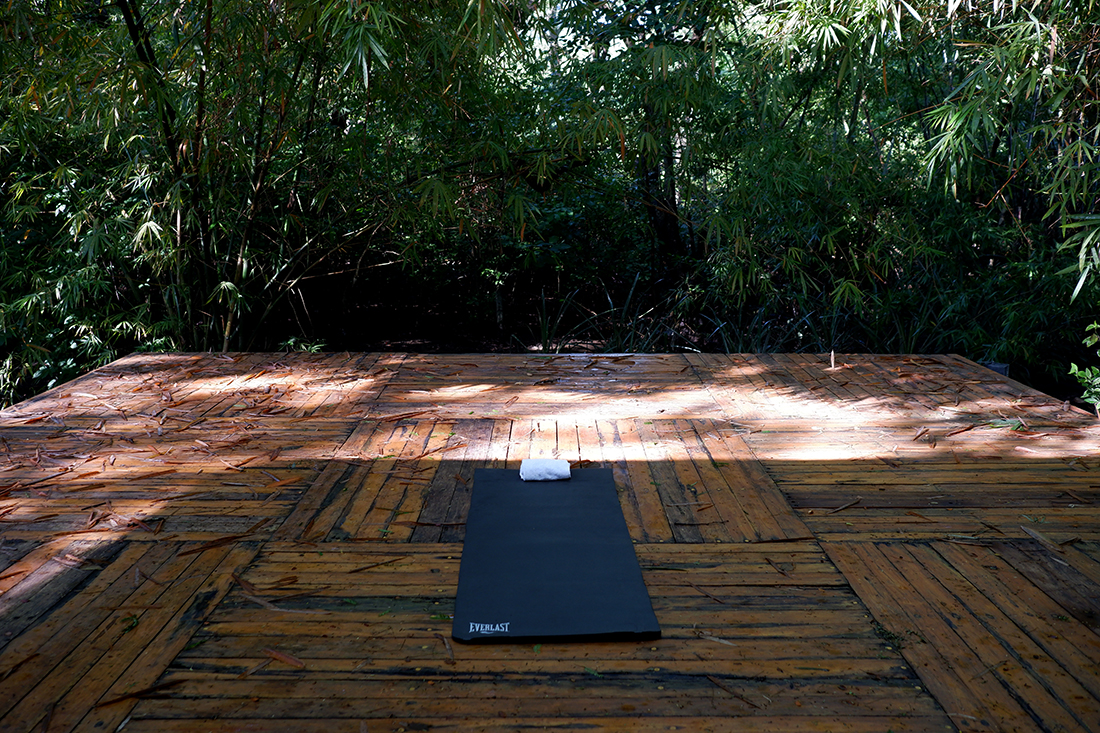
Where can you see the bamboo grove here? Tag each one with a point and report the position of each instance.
(624, 175)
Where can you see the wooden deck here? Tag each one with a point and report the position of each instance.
(270, 542)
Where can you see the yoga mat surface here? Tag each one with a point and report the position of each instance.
(549, 560)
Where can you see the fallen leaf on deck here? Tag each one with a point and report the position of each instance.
(254, 668)
(447, 645)
(708, 595)
(272, 607)
(709, 637)
(842, 507)
(147, 692)
(777, 568)
(285, 658)
(403, 416)
(89, 487)
(154, 474)
(245, 585)
(283, 482)
(30, 520)
(17, 665)
(220, 542)
(441, 449)
(375, 565)
(1042, 539)
(740, 697)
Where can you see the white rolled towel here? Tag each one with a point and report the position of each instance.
(544, 469)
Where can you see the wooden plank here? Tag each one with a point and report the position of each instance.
(676, 499)
(31, 655)
(1074, 647)
(393, 467)
(1052, 690)
(11, 552)
(381, 449)
(448, 497)
(350, 377)
(865, 696)
(372, 372)
(146, 612)
(186, 618)
(435, 661)
(348, 501)
(63, 686)
(583, 447)
(700, 484)
(966, 525)
(771, 565)
(38, 591)
(1073, 590)
(781, 620)
(611, 451)
(556, 696)
(628, 722)
(766, 654)
(1007, 387)
(401, 498)
(1084, 557)
(1031, 497)
(743, 381)
(766, 507)
(569, 445)
(145, 435)
(721, 493)
(300, 520)
(928, 644)
(730, 403)
(901, 383)
(780, 612)
(519, 443)
(644, 502)
(989, 641)
(883, 465)
(773, 570)
(544, 439)
(785, 381)
(817, 370)
(36, 553)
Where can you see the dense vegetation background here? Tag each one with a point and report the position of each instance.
(770, 175)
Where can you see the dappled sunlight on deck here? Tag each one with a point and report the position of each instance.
(200, 541)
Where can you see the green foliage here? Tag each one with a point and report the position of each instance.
(871, 175)
(296, 344)
(1089, 377)
(1019, 129)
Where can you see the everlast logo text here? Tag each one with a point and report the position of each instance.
(488, 628)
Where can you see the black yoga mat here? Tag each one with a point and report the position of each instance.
(549, 560)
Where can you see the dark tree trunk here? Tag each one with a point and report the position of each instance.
(657, 176)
